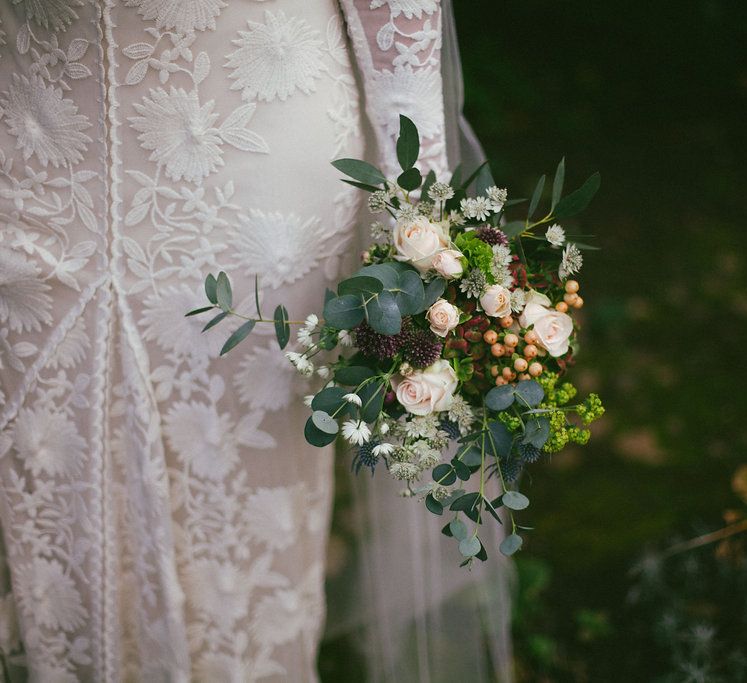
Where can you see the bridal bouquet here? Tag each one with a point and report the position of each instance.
(458, 327)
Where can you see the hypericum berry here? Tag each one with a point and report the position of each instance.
(529, 453)
(520, 364)
(511, 340)
(571, 286)
(506, 322)
(570, 298)
(375, 345)
(508, 374)
(531, 337)
(578, 302)
(561, 306)
(530, 351)
(535, 369)
(498, 350)
(491, 236)
(490, 337)
(499, 381)
(420, 348)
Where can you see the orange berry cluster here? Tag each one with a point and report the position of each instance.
(571, 298)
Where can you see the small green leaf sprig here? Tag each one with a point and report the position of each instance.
(508, 409)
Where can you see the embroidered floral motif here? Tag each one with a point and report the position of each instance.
(218, 589)
(185, 16)
(410, 8)
(24, 302)
(276, 58)
(44, 123)
(54, 14)
(265, 379)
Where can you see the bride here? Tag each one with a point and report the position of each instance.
(162, 516)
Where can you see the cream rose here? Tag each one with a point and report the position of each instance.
(552, 327)
(427, 391)
(419, 241)
(448, 263)
(443, 317)
(496, 301)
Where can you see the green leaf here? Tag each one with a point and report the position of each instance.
(529, 391)
(500, 398)
(353, 375)
(513, 228)
(325, 422)
(282, 328)
(474, 175)
(429, 180)
(511, 544)
(444, 474)
(499, 439)
(315, 436)
(446, 531)
(411, 293)
(360, 285)
(514, 202)
(557, 183)
(472, 456)
(210, 288)
(408, 143)
(433, 505)
(536, 196)
(361, 186)
(537, 431)
(344, 312)
(470, 546)
(466, 502)
(223, 291)
(482, 555)
(514, 500)
(433, 290)
(388, 276)
(456, 177)
(197, 311)
(577, 201)
(484, 179)
(361, 171)
(410, 180)
(458, 529)
(383, 314)
(462, 471)
(372, 397)
(215, 321)
(256, 295)
(331, 401)
(238, 336)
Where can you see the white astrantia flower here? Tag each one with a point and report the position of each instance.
(481, 208)
(202, 439)
(264, 379)
(345, 338)
(180, 133)
(275, 58)
(518, 300)
(354, 399)
(47, 441)
(425, 426)
(383, 449)
(456, 218)
(380, 231)
(555, 235)
(410, 8)
(468, 207)
(384, 428)
(186, 16)
(377, 201)
(24, 302)
(404, 471)
(323, 371)
(501, 255)
(281, 247)
(497, 197)
(570, 262)
(219, 590)
(414, 93)
(461, 412)
(440, 192)
(46, 591)
(356, 432)
(312, 320)
(407, 213)
(56, 15)
(43, 122)
(304, 338)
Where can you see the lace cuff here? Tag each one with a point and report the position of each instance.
(397, 44)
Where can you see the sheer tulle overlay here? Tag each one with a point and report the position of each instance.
(163, 518)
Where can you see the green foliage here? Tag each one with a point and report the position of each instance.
(578, 200)
(536, 196)
(238, 336)
(557, 183)
(223, 292)
(282, 328)
(478, 253)
(361, 171)
(408, 143)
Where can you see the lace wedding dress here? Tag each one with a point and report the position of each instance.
(163, 518)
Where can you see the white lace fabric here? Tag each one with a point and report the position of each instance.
(163, 518)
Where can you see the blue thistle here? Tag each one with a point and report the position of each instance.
(529, 453)
(365, 457)
(451, 428)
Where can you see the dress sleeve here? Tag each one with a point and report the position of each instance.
(397, 45)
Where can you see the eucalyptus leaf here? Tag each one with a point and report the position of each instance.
(513, 228)
(344, 312)
(411, 293)
(444, 474)
(197, 311)
(256, 295)
(427, 183)
(484, 179)
(360, 284)
(384, 273)
(474, 175)
(215, 321)
(456, 177)
(529, 392)
(466, 502)
(372, 397)
(472, 457)
(238, 336)
(514, 500)
(331, 401)
(433, 290)
(577, 201)
(315, 436)
(537, 431)
(458, 529)
(470, 546)
(361, 171)
(223, 291)
(383, 314)
(410, 180)
(433, 505)
(499, 439)
(536, 196)
(511, 544)
(353, 375)
(325, 422)
(462, 471)
(500, 398)
(557, 183)
(211, 285)
(282, 328)
(361, 186)
(408, 143)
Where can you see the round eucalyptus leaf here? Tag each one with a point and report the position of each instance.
(384, 273)
(315, 436)
(411, 292)
(360, 284)
(529, 392)
(444, 474)
(330, 400)
(383, 314)
(470, 546)
(324, 422)
(458, 529)
(344, 312)
(500, 398)
(515, 500)
(537, 431)
(511, 544)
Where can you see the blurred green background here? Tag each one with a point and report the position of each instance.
(651, 94)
